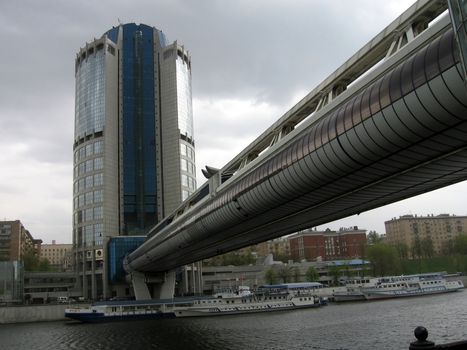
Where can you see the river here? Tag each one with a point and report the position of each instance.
(387, 324)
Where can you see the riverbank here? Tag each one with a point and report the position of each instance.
(32, 313)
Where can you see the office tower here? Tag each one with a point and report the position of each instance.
(133, 143)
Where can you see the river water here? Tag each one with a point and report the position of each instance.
(387, 324)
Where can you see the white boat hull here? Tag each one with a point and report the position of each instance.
(244, 308)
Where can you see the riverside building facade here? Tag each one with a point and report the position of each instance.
(58, 255)
(309, 245)
(439, 229)
(16, 241)
(134, 150)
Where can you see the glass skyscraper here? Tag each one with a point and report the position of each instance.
(134, 150)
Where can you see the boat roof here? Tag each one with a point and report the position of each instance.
(299, 285)
(177, 300)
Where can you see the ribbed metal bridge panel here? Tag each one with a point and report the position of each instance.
(403, 134)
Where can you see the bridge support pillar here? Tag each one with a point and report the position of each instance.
(162, 285)
(140, 287)
(165, 289)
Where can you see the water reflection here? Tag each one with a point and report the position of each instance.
(381, 324)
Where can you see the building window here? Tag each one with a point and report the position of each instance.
(98, 196)
(89, 165)
(89, 150)
(98, 147)
(98, 179)
(89, 182)
(88, 214)
(98, 163)
(88, 197)
(98, 213)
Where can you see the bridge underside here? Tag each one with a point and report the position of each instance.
(403, 135)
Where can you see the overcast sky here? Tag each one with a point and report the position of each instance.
(251, 61)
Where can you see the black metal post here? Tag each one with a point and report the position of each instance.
(421, 334)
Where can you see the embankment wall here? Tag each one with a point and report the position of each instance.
(36, 313)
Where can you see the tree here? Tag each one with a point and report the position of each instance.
(270, 276)
(335, 273)
(282, 257)
(383, 258)
(44, 265)
(348, 271)
(33, 263)
(417, 247)
(448, 247)
(460, 244)
(235, 258)
(374, 237)
(285, 273)
(427, 247)
(402, 250)
(312, 274)
(296, 274)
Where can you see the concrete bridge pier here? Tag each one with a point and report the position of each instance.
(161, 284)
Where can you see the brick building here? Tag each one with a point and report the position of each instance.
(327, 245)
(16, 241)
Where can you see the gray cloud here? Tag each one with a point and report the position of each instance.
(263, 51)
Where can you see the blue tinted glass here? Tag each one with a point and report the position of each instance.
(112, 34)
(118, 248)
(139, 165)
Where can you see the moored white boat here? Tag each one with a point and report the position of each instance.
(414, 285)
(250, 304)
(266, 300)
(353, 290)
(397, 286)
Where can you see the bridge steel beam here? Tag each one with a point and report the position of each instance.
(404, 132)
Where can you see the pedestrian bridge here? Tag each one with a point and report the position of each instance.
(389, 124)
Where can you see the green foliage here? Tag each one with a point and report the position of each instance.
(448, 248)
(44, 265)
(388, 260)
(285, 273)
(270, 276)
(282, 257)
(296, 274)
(335, 272)
(402, 250)
(384, 259)
(450, 264)
(374, 238)
(460, 244)
(33, 263)
(417, 247)
(349, 272)
(234, 258)
(427, 248)
(312, 274)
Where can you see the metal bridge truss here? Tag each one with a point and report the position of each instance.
(395, 132)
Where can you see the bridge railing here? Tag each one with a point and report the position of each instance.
(421, 334)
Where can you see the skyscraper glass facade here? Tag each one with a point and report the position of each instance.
(138, 129)
(133, 146)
